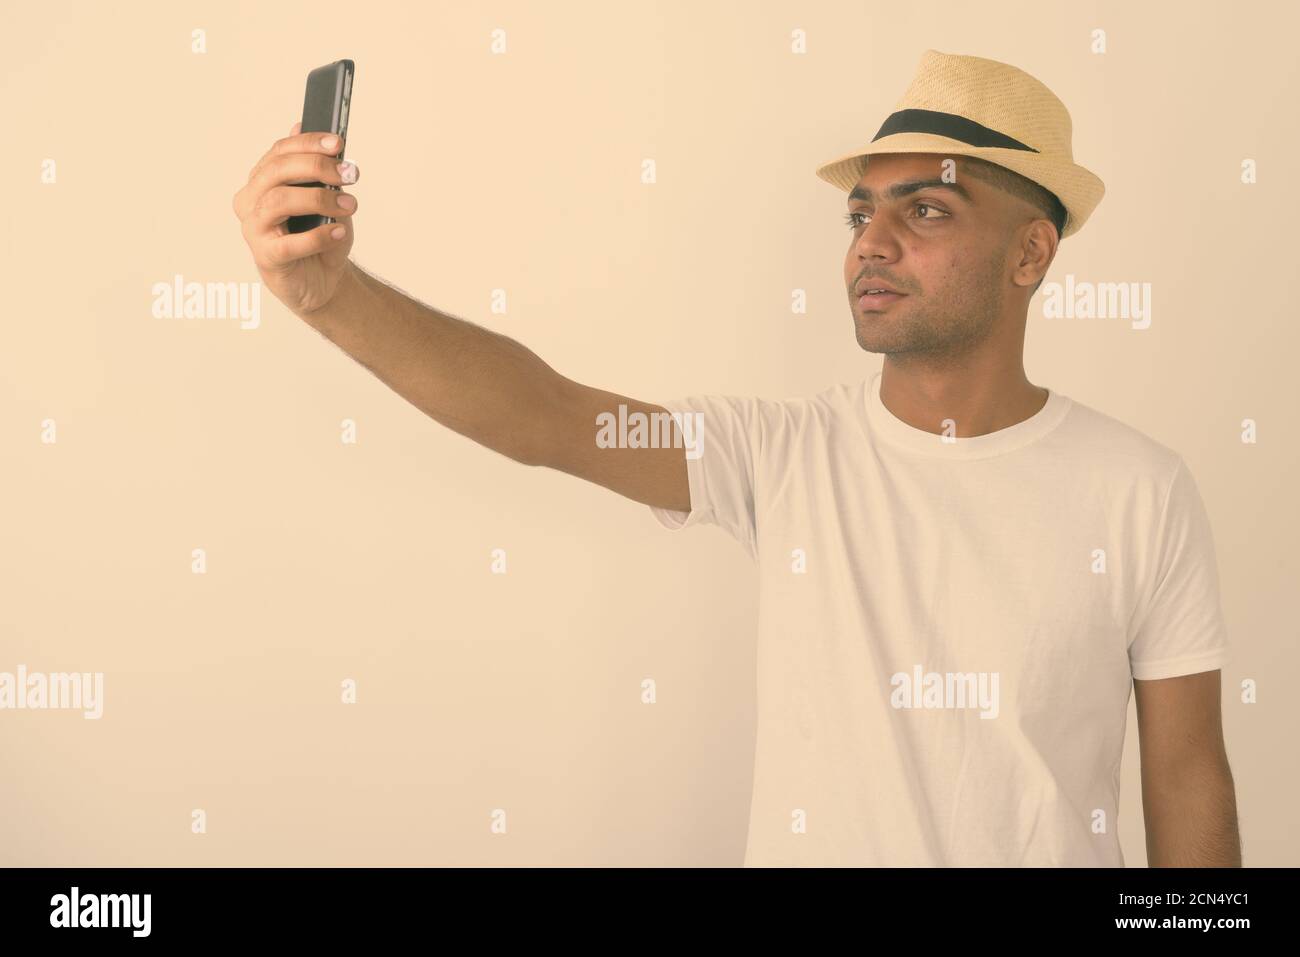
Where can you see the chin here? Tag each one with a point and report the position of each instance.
(871, 343)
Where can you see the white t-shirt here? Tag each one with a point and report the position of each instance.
(948, 629)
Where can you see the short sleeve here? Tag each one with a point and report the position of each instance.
(722, 437)
(1179, 628)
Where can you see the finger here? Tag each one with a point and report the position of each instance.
(294, 168)
(299, 143)
(281, 250)
(296, 128)
(280, 203)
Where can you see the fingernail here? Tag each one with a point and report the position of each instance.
(338, 232)
(330, 142)
(348, 172)
(348, 202)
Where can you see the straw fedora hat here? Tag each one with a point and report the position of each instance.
(970, 106)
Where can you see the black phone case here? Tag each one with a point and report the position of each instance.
(325, 110)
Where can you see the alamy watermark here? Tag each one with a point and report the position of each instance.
(76, 909)
(1098, 300)
(37, 691)
(947, 689)
(212, 300)
(654, 430)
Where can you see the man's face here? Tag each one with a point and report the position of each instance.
(943, 245)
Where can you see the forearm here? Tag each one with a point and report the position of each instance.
(476, 382)
(1191, 817)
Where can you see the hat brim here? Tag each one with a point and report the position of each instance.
(1078, 189)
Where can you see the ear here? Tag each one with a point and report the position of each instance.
(1035, 249)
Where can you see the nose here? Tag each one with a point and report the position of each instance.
(876, 241)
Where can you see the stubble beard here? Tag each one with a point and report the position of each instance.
(916, 329)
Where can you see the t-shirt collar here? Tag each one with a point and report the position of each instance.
(885, 425)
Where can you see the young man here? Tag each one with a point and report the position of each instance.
(962, 573)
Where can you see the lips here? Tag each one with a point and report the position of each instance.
(878, 300)
(872, 301)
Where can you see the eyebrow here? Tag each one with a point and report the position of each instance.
(907, 187)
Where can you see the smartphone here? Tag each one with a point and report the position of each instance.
(325, 110)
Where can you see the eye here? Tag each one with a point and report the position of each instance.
(851, 219)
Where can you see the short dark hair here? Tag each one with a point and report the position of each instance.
(1009, 181)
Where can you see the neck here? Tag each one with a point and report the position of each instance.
(979, 397)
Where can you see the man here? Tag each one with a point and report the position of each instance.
(962, 573)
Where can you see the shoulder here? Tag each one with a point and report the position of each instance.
(772, 418)
(1116, 449)
(1144, 483)
(833, 405)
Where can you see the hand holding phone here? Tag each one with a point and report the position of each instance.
(293, 204)
(325, 110)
